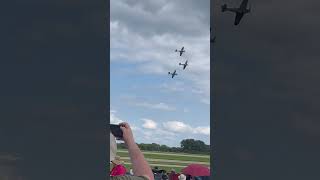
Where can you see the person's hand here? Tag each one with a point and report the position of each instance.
(127, 133)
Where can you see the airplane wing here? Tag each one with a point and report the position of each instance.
(182, 48)
(181, 53)
(244, 4)
(238, 18)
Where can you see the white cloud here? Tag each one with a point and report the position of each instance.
(159, 136)
(152, 133)
(180, 127)
(149, 17)
(134, 128)
(158, 106)
(202, 130)
(177, 126)
(149, 124)
(142, 102)
(149, 38)
(114, 119)
(197, 91)
(205, 101)
(176, 86)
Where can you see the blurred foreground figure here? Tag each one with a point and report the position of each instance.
(118, 168)
(140, 166)
(9, 167)
(182, 177)
(173, 175)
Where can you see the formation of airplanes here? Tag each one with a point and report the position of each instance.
(184, 65)
(240, 12)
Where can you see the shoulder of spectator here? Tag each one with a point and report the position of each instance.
(129, 178)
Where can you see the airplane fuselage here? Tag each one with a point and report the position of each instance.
(244, 11)
(238, 10)
(184, 65)
(173, 74)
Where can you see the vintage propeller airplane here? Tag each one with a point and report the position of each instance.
(173, 74)
(181, 51)
(242, 10)
(184, 65)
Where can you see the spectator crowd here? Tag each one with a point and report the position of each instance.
(140, 167)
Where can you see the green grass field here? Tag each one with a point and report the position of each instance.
(167, 160)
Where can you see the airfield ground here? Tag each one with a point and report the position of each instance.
(167, 160)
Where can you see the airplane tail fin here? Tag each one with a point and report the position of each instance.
(224, 7)
(176, 50)
(169, 73)
(180, 64)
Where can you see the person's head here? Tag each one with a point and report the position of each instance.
(117, 161)
(182, 177)
(173, 171)
(164, 176)
(113, 147)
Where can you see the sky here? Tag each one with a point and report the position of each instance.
(143, 38)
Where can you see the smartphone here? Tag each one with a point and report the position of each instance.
(116, 131)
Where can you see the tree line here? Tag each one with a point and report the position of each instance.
(186, 145)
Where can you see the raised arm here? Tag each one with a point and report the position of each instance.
(139, 165)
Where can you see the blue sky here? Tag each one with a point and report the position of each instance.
(144, 35)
